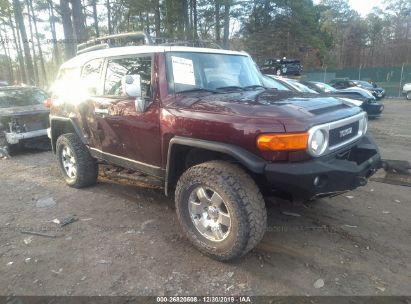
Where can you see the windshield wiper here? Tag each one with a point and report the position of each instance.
(255, 86)
(230, 88)
(198, 90)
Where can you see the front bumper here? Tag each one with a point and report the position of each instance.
(15, 138)
(329, 175)
(378, 94)
(373, 109)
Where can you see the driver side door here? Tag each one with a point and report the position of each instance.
(130, 137)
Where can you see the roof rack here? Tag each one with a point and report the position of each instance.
(116, 40)
(179, 42)
(139, 38)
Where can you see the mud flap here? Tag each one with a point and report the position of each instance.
(396, 172)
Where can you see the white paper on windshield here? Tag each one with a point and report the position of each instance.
(183, 70)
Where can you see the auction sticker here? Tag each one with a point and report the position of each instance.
(183, 70)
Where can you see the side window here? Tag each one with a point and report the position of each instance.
(117, 68)
(90, 75)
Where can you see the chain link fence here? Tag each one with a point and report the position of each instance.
(391, 79)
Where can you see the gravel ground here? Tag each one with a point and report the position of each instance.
(128, 241)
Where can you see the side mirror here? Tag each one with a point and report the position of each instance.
(132, 85)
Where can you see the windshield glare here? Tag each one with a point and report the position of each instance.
(190, 70)
(300, 87)
(325, 87)
(274, 84)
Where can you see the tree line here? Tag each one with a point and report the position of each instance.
(328, 33)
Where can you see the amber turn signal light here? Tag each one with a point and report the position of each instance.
(282, 142)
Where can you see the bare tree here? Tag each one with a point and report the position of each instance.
(69, 48)
(27, 56)
(21, 68)
(52, 22)
(217, 21)
(226, 23)
(43, 67)
(94, 6)
(78, 20)
(33, 47)
(110, 31)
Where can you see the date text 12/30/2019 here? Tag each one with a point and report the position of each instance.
(206, 299)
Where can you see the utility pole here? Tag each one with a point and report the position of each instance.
(359, 72)
(402, 73)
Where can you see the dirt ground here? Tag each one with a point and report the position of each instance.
(128, 240)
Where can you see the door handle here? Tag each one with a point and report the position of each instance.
(100, 111)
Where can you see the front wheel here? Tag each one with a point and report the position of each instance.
(221, 210)
(78, 167)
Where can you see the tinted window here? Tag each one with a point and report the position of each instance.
(90, 76)
(117, 68)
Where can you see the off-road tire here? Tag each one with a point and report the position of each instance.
(242, 198)
(86, 165)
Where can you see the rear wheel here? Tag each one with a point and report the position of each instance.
(78, 167)
(221, 210)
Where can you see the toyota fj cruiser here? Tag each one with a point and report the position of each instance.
(204, 123)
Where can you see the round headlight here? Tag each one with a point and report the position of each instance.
(317, 142)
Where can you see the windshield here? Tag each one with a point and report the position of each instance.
(188, 71)
(21, 97)
(364, 84)
(325, 87)
(299, 86)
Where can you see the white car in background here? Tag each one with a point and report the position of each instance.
(406, 90)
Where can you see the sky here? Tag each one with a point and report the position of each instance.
(363, 7)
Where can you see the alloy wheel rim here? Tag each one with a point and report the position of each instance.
(209, 214)
(69, 162)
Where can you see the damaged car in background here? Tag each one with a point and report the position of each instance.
(24, 118)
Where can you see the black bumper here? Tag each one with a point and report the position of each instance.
(326, 176)
(373, 109)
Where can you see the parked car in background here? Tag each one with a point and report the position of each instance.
(376, 91)
(282, 67)
(367, 101)
(292, 84)
(23, 116)
(406, 90)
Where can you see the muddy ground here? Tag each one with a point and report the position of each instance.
(128, 241)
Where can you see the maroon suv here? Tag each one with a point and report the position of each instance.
(206, 123)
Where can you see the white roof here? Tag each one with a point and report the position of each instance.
(141, 49)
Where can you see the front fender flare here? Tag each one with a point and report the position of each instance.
(249, 160)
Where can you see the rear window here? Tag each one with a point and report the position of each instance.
(21, 97)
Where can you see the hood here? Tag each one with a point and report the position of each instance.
(296, 111)
(24, 110)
